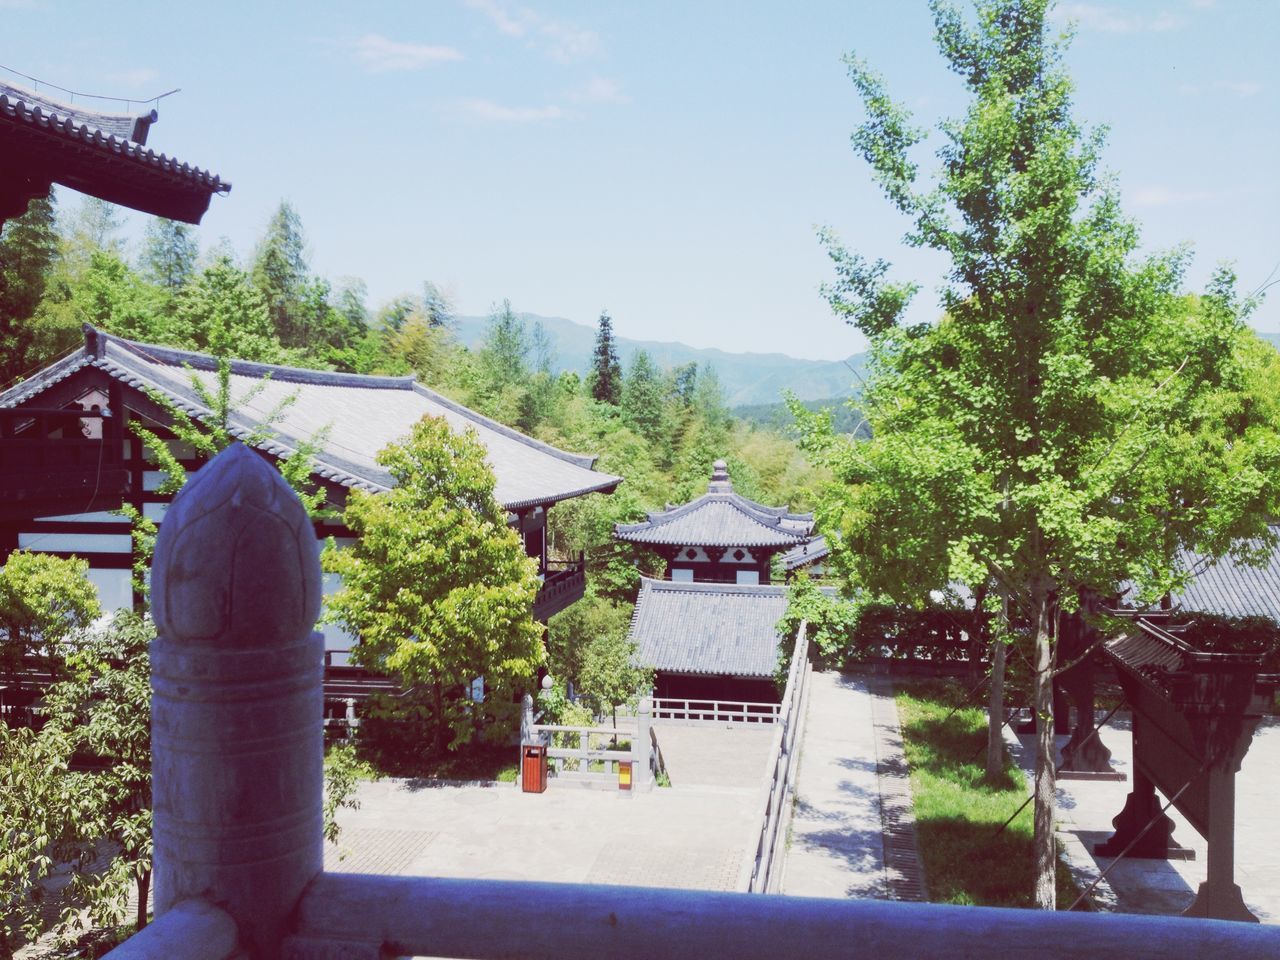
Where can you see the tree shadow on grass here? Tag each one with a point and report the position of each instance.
(954, 751)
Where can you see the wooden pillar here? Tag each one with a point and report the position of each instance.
(237, 734)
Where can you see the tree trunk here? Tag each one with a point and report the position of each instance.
(442, 728)
(995, 694)
(1045, 842)
(144, 888)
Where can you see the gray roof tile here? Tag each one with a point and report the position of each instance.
(720, 518)
(1232, 589)
(709, 628)
(361, 415)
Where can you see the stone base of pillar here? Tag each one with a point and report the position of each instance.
(1220, 901)
(309, 948)
(1156, 844)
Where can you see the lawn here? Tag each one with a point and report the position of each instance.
(958, 811)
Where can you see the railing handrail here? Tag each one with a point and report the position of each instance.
(443, 917)
(760, 875)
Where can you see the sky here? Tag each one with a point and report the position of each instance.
(668, 161)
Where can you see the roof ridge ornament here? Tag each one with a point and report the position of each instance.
(720, 482)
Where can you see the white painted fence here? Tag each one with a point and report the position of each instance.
(714, 711)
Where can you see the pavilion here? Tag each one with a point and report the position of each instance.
(721, 537)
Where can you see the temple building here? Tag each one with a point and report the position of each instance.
(721, 537)
(44, 141)
(70, 454)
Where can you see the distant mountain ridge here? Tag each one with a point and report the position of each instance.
(748, 378)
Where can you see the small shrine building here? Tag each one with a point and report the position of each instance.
(721, 537)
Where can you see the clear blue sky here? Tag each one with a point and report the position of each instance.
(668, 160)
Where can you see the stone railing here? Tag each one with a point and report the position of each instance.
(763, 872)
(579, 755)
(237, 766)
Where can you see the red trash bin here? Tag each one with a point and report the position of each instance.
(533, 768)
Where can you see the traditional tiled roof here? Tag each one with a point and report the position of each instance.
(354, 416)
(1230, 588)
(809, 552)
(55, 128)
(720, 518)
(709, 628)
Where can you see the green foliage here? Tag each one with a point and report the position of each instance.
(44, 601)
(1074, 419)
(169, 253)
(437, 586)
(609, 674)
(227, 316)
(102, 710)
(605, 377)
(39, 800)
(642, 398)
(343, 771)
(280, 275)
(571, 631)
(28, 245)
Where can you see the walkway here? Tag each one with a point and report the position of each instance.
(1085, 809)
(710, 755)
(837, 844)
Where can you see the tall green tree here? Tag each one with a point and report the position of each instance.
(227, 315)
(44, 600)
(169, 253)
(28, 246)
(642, 397)
(437, 585)
(280, 273)
(605, 377)
(1073, 420)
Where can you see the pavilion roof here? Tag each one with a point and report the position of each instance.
(708, 628)
(44, 141)
(1228, 587)
(353, 416)
(720, 518)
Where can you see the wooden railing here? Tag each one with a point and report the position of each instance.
(564, 585)
(714, 711)
(763, 873)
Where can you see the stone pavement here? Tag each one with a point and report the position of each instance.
(691, 837)
(1085, 809)
(836, 845)
(710, 755)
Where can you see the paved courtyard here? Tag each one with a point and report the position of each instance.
(692, 837)
(1085, 809)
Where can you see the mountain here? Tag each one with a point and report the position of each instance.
(748, 378)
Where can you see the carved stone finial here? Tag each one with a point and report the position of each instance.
(236, 558)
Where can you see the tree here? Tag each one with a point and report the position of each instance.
(102, 710)
(44, 600)
(606, 372)
(437, 586)
(642, 397)
(280, 274)
(571, 631)
(228, 316)
(610, 675)
(169, 253)
(1073, 419)
(28, 246)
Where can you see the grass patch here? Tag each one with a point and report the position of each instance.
(958, 810)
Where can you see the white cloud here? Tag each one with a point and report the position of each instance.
(476, 108)
(378, 54)
(601, 90)
(500, 18)
(558, 39)
(1161, 196)
(1107, 19)
(133, 78)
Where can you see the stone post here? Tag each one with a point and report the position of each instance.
(236, 675)
(642, 748)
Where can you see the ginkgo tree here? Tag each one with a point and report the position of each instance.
(1074, 419)
(437, 586)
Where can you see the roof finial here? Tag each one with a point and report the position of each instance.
(720, 482)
